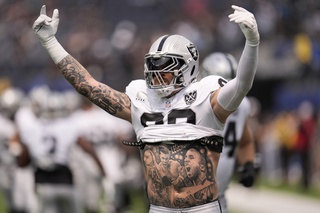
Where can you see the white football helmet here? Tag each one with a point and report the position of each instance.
(222, 64)
(174, 54)
(38, 97)
(10, 101)
(55, 106)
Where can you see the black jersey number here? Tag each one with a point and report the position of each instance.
(222, 82)
(230, 138)
(158, 119)
(51, 143)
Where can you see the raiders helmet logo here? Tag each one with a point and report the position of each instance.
(193, 51)
(190, 97)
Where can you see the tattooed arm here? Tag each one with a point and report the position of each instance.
(112, 101)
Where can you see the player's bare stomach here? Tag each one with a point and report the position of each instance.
(180, 175)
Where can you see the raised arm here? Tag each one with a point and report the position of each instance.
(114, 102)
(228, 98)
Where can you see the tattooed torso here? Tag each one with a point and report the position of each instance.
(180, 175)
(177, 175)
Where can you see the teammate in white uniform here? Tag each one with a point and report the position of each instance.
(103, 131)
(238, 139)
(48, 141)
(7, 162)
(15, 182)
(170, 110)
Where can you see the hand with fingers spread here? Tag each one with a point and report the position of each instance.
(247, 23)
(45, 28)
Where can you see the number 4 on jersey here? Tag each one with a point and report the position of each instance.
(230, 139)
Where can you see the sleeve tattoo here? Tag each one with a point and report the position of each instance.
(100, 94)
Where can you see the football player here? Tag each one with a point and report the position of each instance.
(46, 142)
(169, 108)
(16, 182)
(102, 131)
(238, 138)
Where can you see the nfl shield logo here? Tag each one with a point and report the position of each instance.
(168, 104)
(190, 97)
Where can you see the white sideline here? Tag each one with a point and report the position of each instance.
(245, 200)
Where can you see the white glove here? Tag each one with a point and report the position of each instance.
(46, 28)
(247, 23)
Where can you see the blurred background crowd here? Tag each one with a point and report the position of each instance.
(110, 39)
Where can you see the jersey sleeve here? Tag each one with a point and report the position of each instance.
(210, 84)
(135, 89)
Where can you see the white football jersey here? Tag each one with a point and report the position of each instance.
(187, 115)
(232, 134)
(47, 140)
(97, 126)
(17, 182)
(102, 130)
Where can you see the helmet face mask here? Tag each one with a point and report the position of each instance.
(170, 54)
(55, 106)
(48, 104)
(158, 66)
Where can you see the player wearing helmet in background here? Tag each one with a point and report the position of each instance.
(239, 144)
(47, 136)
(170, 110)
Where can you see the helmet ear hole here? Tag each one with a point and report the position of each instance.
(179, 79)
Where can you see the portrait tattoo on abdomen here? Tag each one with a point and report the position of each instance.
(178, 175)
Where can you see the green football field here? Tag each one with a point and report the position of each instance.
(138, 203)
(2, 204)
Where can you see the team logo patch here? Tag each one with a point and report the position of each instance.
(190, 97)
(193, 51)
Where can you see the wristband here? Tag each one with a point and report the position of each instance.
(55, 50)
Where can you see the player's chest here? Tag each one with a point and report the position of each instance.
(170, 111)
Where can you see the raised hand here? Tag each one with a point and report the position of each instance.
(46, 27)
(247, 23)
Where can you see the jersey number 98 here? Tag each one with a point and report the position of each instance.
(175, 116)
